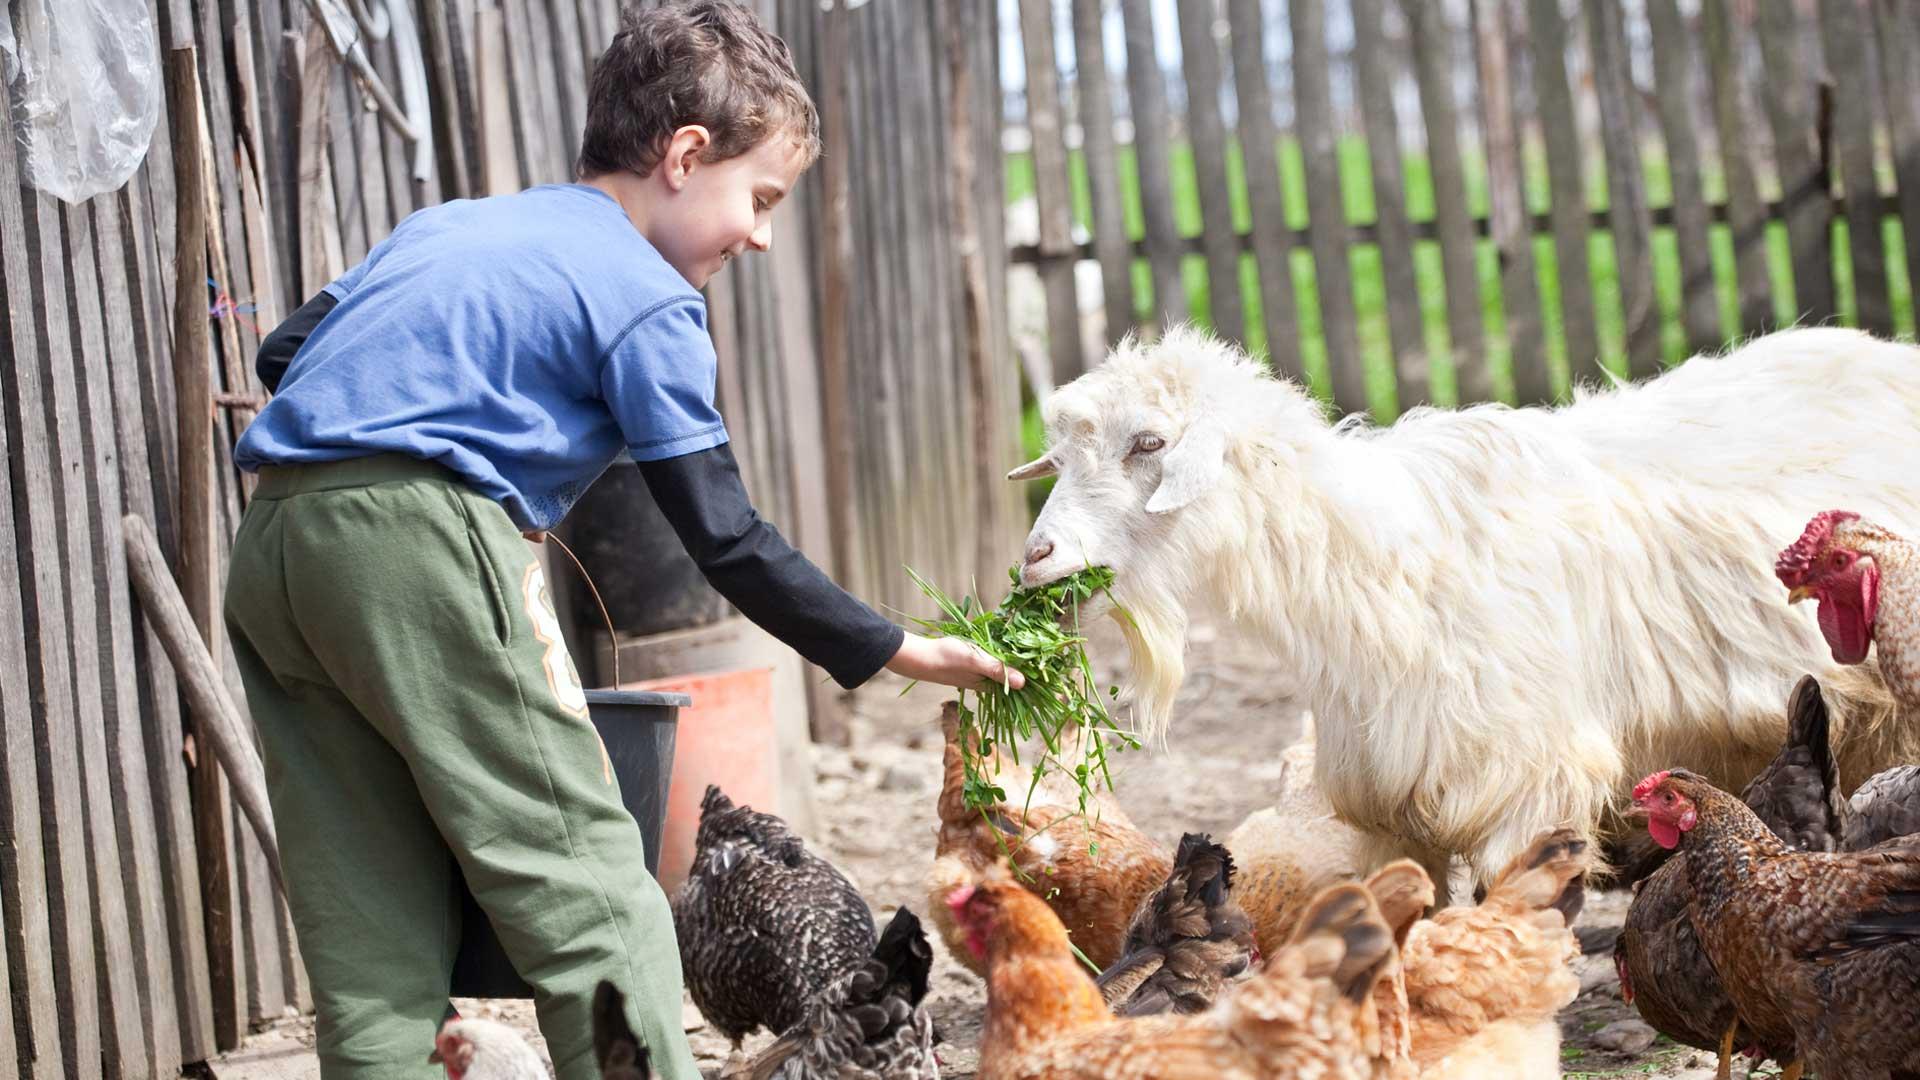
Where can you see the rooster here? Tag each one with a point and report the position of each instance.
(1823, 944)
(867, 1026)
(765, 926)
(1187, 941)
(485, 1050)
(1866, 581)
(1302, 1016)
(1093, 869)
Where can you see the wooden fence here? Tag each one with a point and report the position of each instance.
(1784, 136)
(864, 372)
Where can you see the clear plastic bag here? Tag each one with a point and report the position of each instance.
(86, 91)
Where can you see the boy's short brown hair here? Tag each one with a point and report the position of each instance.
(706, 62)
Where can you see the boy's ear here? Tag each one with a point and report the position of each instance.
(683, 153)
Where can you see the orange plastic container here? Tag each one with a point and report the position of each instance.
(725, 737)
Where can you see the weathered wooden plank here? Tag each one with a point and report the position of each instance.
(1899, 40)
(134, 772)
(1626, 184)
(1259, 149)
(1803, 182)
(350, 204)
(9, 1050)
(1566, 185)
(1200, 56)
(235, 276)
(1102, 158)
(446, 43)
(1051, 188)
(1147, 98)
(1326, 210)
(255, 184)
(30, 940)
(570, 71)
(834, 260)
(32, 237)
(1746, 216)
(1413, 367)
(1432, 51)
(1673, 86)
(131, 1020)
(503, 160)
(557, 166)
(1507, 194)
(533, 113)
(369, 138)
(1843, 32)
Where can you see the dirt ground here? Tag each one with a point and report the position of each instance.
(876, 805)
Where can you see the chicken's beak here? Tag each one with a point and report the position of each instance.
(434, 1058)
(1799, 594)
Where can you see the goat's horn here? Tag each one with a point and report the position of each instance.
(1043, 465)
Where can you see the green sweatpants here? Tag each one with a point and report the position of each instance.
(417, 706)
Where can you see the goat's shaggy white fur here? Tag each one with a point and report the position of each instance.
(1501, 616)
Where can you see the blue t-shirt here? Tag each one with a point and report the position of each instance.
(522, 341)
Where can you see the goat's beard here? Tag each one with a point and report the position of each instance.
(1156, 633)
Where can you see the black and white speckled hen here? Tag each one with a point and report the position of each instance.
(1187, 940)
(765, 926)
(867, 1026)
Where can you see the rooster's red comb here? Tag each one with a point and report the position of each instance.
(1645, 787)
(1796, 560)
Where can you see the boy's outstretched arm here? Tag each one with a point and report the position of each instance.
(752, 565)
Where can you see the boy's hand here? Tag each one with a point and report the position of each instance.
(951, 662)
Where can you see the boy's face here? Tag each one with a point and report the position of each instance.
(718, 211)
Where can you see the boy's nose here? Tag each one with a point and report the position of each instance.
(762, 238)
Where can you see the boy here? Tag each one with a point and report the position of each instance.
(456, 390)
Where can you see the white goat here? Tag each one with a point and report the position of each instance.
(1500, 616)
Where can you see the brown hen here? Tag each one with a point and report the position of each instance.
(1093, 869)
(1825, 943)
(1302, 1016)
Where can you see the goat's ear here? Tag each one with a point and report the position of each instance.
(1191, 466)
(1044, 465)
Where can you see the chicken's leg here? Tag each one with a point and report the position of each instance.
(1725, 1069)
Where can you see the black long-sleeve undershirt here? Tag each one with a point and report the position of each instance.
(745, 558)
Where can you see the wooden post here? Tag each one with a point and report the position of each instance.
(1326, 210)
(1103, 172)
(197, 571)
(1746, 215)
(1567, 182)
(1699, 299)
(1895, 31)
(1406, 335)
(1207, 138)
(1804, 195)
(1626, 185)
(1052, 191)
(1849, 57)
(1507, 198)
(1147, 101)
(1259, 149)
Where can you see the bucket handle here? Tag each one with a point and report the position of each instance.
(613, 637)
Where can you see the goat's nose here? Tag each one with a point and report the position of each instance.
(1037, 550)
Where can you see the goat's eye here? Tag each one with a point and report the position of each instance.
(1147, 443)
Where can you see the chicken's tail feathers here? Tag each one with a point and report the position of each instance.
(1551, 873)
(621, 1054)
(904, 951)
(1207, 866)
(1351, 942)
(1404, 892)
(714, 801)
(1808, 725)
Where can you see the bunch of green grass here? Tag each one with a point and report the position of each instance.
(1035, 631)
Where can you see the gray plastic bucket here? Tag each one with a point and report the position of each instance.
(638, 728)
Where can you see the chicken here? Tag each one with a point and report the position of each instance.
(1663, 971)
(1287, 853)
(618, 1050)
(765, 926)
(1187, 941)
(867, 1026)
(485, 1050)
(1867, 583)
(1825, 944)
(1484, 983)
(1094, 870)
(1302, 1016)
